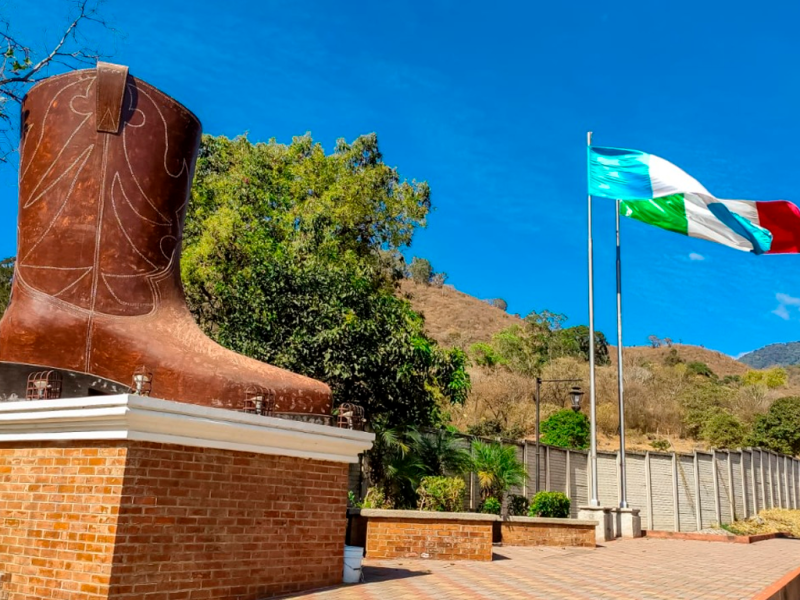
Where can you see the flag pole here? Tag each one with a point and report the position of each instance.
(594, 499)
(623, 486)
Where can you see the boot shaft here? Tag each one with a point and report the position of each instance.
(106, 168)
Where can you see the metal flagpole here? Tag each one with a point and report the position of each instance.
(623, 486)
(594, 500)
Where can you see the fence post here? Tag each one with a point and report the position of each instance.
(547, 468)
(771, 486)
(763, 487)
(715, 477)
(753, 480)
(648, 491)
(698, 510)
(677, 516)
(568, 482)
(743, 475)
(731, 499)
(788, 501)
(525, 466)
(471, 480)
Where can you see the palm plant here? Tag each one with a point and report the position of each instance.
(439, 454)
(497, 468)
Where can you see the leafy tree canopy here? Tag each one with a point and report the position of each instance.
(779, 428)
(290, 256)
(566, 429)
(6, 275)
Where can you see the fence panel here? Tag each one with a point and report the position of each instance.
(661, 488)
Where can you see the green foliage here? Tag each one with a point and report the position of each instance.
(492, 428)
(497, 468)
(779, 428)
(773, 355)
(491, 506)
(699, 403)
(772, 378)
(421, 270)
(517, 505)
(701, 369)
(527, 348)
(723, 430)
(439, 453)
(550, 504)
(486, 355)
(661, 444)
(376, 498)
(672, 358)
(290, 257)
(443, 494)
(566, 429)
(6, 275)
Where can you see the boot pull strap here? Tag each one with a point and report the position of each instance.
(110, 93)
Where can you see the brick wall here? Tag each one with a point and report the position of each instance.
(547, 534)
(183, 523)
(426, 538)
(58, 519)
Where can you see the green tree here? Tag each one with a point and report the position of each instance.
(6, 275)
(421, 271)
(497, 469)
(779, 428)
(440, 455)
(723, 430)
(566, 429)
(773, 378)
(288, 259)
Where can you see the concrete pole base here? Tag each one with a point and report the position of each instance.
(604, 531)
(626, 522)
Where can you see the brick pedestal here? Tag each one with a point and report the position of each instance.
(226, 506)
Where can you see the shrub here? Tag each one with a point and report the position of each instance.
(497, 468)
(672, 358)
(566, 429)
(491, 506)
(443, 494)
(701, 369)
(779, 428)
(549, 504)
(517, 505)
(421, 270)
(661, 444)
(723, 430)
(376, 498)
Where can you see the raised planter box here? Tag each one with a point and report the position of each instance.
(390, 534)
(539, 531)
(425, 534)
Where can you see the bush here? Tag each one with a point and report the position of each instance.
(442, 494)
(723, 430)
(566, 429)
(376, 498)
(661, 444)
(517, 505)
(497, 469)
(491, 506)
(779, 428)
(421, 271)
(701, 369)
(550, 504)
(672, 358)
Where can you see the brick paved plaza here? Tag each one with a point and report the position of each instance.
(639, 569)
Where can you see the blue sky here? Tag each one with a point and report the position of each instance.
(490, 103)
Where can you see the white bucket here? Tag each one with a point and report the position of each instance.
(352, 564)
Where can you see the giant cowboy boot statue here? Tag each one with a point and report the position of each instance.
(106, 168)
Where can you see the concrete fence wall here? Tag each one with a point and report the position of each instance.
(674, 492)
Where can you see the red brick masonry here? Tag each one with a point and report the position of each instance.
(136, 520)
(434, 535)
(713, 537)
(528, 531)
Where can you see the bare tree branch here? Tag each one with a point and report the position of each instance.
(20, 67)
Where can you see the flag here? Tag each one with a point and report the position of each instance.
(655, 191)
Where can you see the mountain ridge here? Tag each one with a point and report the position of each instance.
(773, 355)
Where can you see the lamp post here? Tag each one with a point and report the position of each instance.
(575, 396)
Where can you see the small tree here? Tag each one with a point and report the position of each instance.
(654, 341)
(497, 468)
(779, 428)
(421, 271)
(723, 430)
(566, 429)
(438, 279)
(499, 303)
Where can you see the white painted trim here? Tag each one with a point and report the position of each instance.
(131, 417)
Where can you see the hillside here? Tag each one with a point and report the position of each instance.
(454, 318)
(783, 355)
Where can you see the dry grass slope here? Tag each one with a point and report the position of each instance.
(453, 317)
